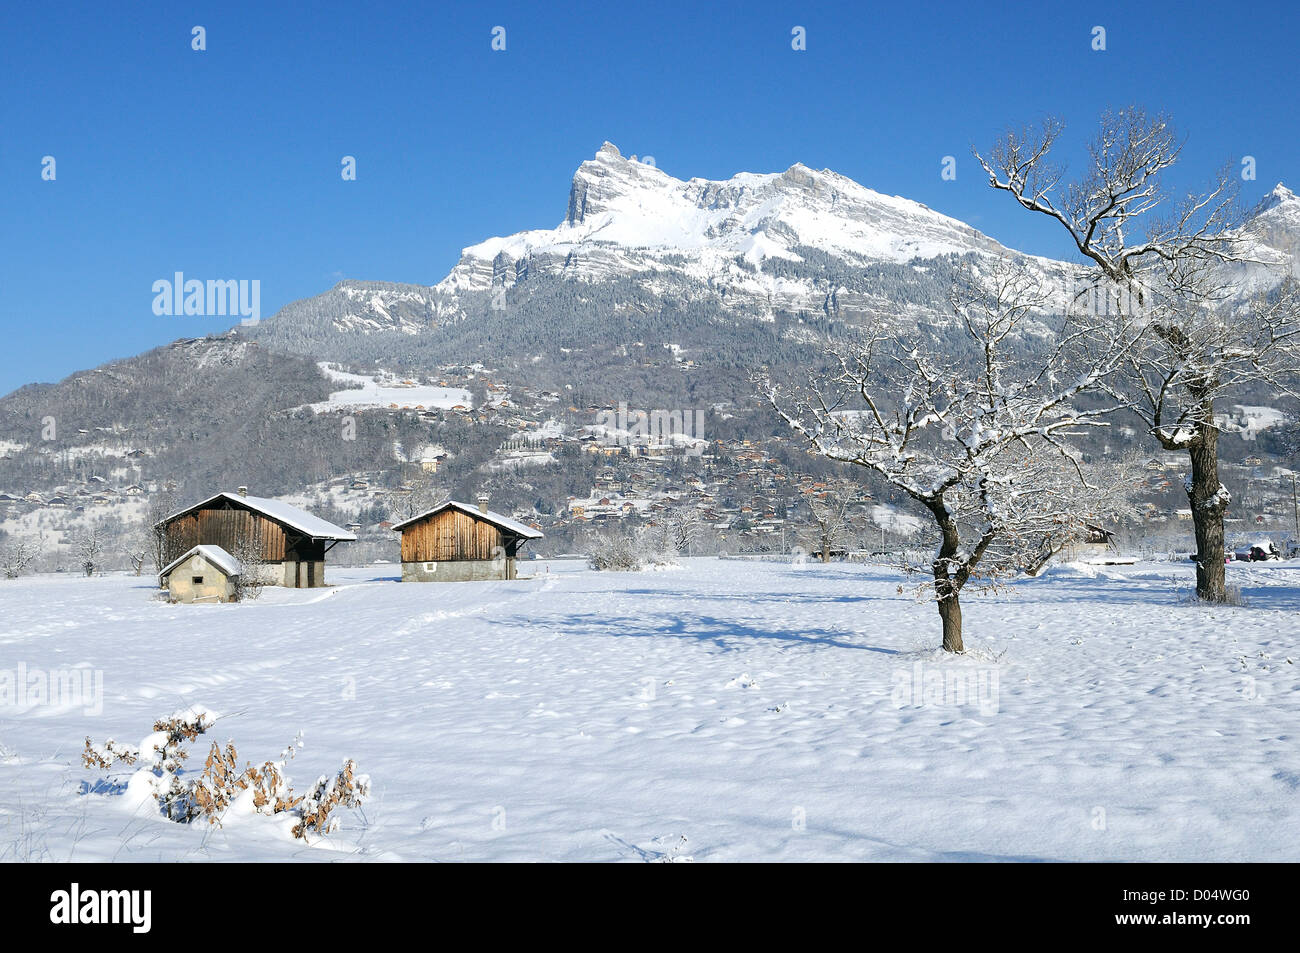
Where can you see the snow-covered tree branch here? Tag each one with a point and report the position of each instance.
(1119, 213)
(1167, 265)
(973, 433)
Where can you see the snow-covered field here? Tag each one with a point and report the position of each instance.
(369, 392)
(763, 711)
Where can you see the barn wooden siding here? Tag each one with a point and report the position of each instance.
(225, 528)
(449, 535)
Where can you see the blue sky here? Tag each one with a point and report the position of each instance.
(225, 163)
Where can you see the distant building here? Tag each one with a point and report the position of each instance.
(457, 542)
(203, 574)
(1094, 544)
(291, 541)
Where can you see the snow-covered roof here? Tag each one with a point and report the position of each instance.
(279, 511)
(501, 522)
(213, 554)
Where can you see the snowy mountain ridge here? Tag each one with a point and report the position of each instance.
(813, 244)
(617, 201)
(628, 216)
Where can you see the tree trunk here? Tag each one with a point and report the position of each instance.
(1208, 506)
(946, 586)
(950, 615)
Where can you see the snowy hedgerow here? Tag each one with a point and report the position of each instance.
(646, 547)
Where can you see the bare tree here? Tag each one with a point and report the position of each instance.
(17, 553)
(835, 522)
(1110, 501)
(249, 552)
(681, 526)
(161, 505)
(1195, 354)
(1164, 262)
(1110, 212)
(424, 495)
(979, 442)
(88, 546)
(137, 546)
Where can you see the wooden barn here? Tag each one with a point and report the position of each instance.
(203, 574)
(457, 542)
(290, 542)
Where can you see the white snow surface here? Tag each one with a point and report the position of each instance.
(751, 707)
(370, 392)
(1250, 421)
(895, 520)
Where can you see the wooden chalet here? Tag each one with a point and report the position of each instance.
(457, 542)
(291, 542)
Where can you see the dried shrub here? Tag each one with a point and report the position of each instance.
(222, 781)
(103, 757)
(345, 789)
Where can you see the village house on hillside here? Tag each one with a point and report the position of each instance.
(291, 542)
(457, 542)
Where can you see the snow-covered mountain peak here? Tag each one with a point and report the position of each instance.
(1272, 235)
(604, 179)
(626, 216)
(1275, 224)
(1280, 196)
